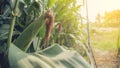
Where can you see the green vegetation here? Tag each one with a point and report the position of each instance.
(33, 32)
(104, 32)
(104, 38)
(110, 19)
(118, 45)
(48, 30)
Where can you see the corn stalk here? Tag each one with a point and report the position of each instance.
(15, 13)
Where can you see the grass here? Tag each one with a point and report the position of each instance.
(104, 39)
(103, 45)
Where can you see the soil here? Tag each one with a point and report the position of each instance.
(106, 59)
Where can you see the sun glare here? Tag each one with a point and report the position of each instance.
(100, 6)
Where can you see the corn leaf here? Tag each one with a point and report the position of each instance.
(24, 40)
(20, 59)
(53, 57)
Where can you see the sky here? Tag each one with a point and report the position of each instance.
(99, 6)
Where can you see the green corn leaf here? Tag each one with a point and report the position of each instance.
(53, 57)
(24, 40)
(42, 31)
(20, 59)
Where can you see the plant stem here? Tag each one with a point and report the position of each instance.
(12, 24)
(11, 31)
